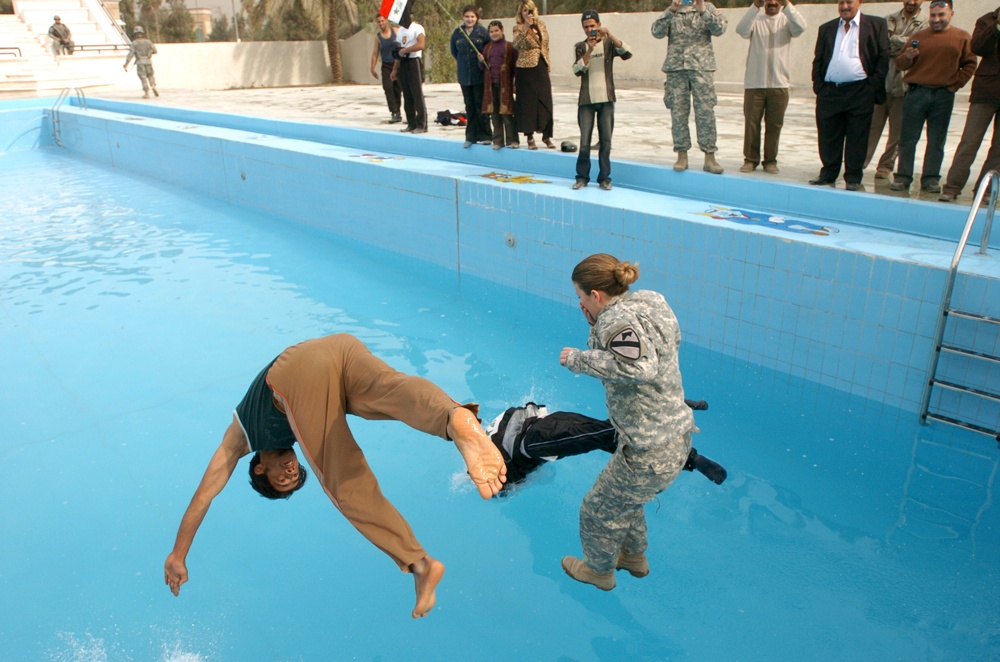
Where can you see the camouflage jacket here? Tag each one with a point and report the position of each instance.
(633, 351)
(689, 43)
(142, 50)
(900, 30)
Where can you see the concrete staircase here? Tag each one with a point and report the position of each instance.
(27, 65)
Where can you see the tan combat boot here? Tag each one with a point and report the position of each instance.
(636, 564)
(581, 572)
(682, 161)
(711, 165)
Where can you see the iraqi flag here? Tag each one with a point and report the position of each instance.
(397, 11)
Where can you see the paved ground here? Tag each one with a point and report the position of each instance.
(642, 124)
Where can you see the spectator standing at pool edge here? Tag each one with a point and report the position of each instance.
(848, 77)
(984, 107)
(689, 26)
(498, 91)
(767, 79)
(533, 101)
(467, 42)
(634, 341)
(385, 41)
(594, 64)
(304, 396)
(408, 70)
(901, 24)
(142, 50)
(938, 63)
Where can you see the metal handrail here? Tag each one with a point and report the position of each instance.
(81, 101)
(990, 180)
(9, 50)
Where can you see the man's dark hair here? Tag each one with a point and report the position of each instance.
(263, 487)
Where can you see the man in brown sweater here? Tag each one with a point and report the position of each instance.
(984, 107)
(938, 62)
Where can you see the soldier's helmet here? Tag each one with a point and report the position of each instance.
(138, 30)
(56, 18)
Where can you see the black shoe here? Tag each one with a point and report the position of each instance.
(852, 186)
(408, 129)
(396, 119)
(823, 181)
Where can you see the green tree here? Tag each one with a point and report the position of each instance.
(221, 30)
(149, 17)
(126, 9)
(298, 25)
(177, 24)
(339, 16)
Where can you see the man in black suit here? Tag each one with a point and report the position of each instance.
(848, 74)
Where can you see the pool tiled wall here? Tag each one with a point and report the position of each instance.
(854, 311)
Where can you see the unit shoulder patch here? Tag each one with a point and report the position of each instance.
(625, 343)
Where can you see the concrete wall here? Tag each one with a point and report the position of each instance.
(643, 69)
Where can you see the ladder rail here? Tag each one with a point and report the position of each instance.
(81, 101)
(992, 181)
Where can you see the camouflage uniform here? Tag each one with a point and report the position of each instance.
(142, 50)
(690, 69)
(633, 351)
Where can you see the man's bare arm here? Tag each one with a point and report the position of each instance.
(220, 468)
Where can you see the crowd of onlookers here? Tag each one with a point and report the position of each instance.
(902, 70)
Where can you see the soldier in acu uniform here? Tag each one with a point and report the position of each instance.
(142, 50)
(690, 68)
(634, 338)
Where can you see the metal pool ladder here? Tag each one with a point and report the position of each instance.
(991, 180)
(81, 101)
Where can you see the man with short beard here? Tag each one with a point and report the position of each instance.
(767, 79)
(902, 25)
(938, 62)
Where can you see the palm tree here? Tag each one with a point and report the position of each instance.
(328, 12)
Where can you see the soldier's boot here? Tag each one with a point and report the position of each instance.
(636, 564)
(155, 92)
(682, 161)
(581, 572)
(711, 165)
(145, 94)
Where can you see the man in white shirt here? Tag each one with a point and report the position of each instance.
(767, 79)
(409, 71)
(848, 75)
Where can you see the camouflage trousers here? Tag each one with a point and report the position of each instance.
(611, 517)
(678, 90)
(146, 77)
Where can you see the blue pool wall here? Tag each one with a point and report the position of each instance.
(843, 314)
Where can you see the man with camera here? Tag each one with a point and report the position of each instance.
(689, 26)
(938, 62)
(596, 54)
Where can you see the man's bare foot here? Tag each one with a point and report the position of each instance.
(482, 459)
(427, 572)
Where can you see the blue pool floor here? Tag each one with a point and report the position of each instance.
(132, 319)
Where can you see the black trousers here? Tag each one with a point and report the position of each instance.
(843, 120)
(393, 90)
(410, 75)
(477, 123)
